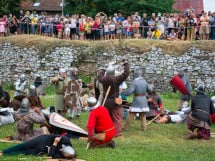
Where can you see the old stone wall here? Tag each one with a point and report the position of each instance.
(158, 66)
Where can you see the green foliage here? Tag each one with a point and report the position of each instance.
(127, 7)
(9, 6)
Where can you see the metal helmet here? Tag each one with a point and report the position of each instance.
(181, 72)
(22, 77)
(138, 73)
(62, 70)
(91, 101)
(213, 99)
(110, 70)
(200, 87)
(25, 103)
(67, 151)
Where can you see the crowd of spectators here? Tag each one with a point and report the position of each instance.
(166, 26)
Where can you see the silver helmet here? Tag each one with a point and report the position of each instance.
(67, 151)
(25, 103)
(110, 70)
(22, 77)
(138, 73)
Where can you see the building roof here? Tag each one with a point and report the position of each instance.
(42, 5)
(182, 5)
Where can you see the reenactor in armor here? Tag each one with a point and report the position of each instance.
(60, 82)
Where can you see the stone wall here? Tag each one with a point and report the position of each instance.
(158, 66)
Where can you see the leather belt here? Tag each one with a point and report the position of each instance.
(139, 94)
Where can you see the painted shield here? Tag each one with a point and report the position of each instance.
(178, 84)
(61, 122)
(72, 93)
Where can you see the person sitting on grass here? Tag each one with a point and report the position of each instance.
(100, 127)
(155, 104)
(26, 116)
(52, 145)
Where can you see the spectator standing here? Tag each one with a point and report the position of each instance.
(212, 22)
(26, 21)
(2, 27)
(204, 27)
(144, 25)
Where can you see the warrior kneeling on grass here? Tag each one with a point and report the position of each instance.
(100, 127)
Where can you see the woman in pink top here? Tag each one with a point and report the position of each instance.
(2, 27)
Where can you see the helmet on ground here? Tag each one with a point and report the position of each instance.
(67, 151)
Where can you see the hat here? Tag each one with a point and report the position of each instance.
(67, 151)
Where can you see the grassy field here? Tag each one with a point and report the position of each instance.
(158, 143)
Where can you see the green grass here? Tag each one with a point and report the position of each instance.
(158, 143)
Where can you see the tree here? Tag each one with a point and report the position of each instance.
(9, 6)
(127, 7)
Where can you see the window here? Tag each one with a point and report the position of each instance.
(37, 4)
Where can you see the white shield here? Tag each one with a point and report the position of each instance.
(61, 122)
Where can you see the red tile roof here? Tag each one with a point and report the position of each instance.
(45, 5)
(182, 5)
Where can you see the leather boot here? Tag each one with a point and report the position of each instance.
(191, 135)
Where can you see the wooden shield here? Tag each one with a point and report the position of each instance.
(72, 93)
(178, 84)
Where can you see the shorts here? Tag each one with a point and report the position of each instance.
(204, 30)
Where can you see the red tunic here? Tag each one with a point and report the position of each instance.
(99, 121)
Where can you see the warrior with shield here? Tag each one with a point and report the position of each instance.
(181, 82)
(72, 94)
